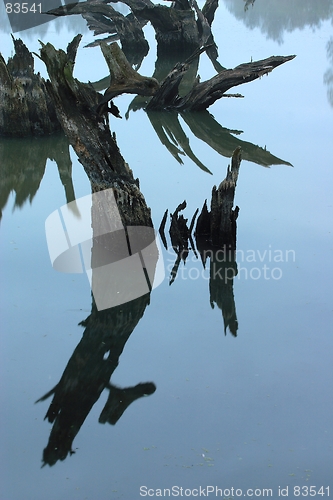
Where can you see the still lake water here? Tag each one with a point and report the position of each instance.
(253, 411)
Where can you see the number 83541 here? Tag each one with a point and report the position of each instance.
(23, 8)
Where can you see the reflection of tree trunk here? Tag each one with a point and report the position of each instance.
(88, 373)
(23, 164)
(223, 269)
(171, 134)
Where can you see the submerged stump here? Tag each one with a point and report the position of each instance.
(219, 225)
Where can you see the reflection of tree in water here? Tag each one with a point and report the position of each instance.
(94, 360)
(23, 163)
(328, 76)
(88, 373)
(274, 17)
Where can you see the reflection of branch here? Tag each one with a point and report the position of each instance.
(169, 122)
(161, 229)
(222, 140)
(206, 128)
(120, 399)
(157, 123)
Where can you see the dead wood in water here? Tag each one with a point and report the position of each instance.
(124, 79)
(26, 109)
(103, 18)
(96, 148)
(217, 226)
(204, 94)
(222, 215)
(176, 27)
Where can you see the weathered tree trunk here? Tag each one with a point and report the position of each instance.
(106, 331)
(97, 150)
(215, 228)
(25, 106)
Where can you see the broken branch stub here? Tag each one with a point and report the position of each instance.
(124, 79)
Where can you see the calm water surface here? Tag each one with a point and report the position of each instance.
(248, 411)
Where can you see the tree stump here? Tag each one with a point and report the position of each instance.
(26, 108)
